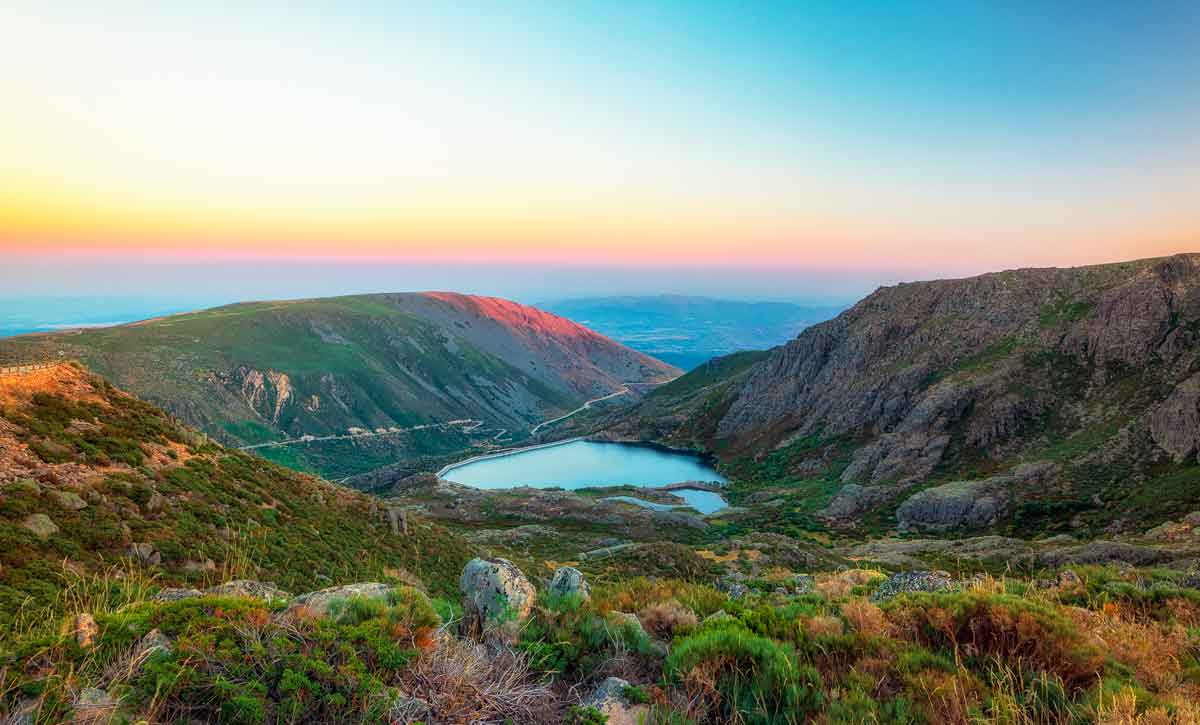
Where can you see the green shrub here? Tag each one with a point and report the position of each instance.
(579, 715)
(758, 679)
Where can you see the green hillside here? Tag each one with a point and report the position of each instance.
(265, 372)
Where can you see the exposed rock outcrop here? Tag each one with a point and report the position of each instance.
(967, 504)
(955, 374)
(1175, 423)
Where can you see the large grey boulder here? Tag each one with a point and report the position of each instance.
(906, 582)
(569, 581)
(494, 592)
(319, 603)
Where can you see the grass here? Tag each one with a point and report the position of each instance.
(367, 362)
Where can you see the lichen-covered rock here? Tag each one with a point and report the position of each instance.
(320, 603)
(144, 552)
(154, 641)
(568, 581)
(494, 592)
(803, 584)
(248, 588)
(1068, 579)
(733, 588)
(906, 582)
(93, 705)
(68, 500)
(853, 500)
(175, 594)
(610, 699)
(40, 525)
(86, 630)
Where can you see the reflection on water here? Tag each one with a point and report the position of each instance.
(581, 464)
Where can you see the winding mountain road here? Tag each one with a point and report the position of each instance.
(468, 425)
(533, 431)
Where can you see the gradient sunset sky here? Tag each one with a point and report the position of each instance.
(763, 148)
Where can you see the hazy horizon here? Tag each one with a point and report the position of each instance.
(751, 149)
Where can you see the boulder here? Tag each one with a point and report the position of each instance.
(86, 630)
(803, 584)
(319, 603)
(610, 699)
(157, 502)
(1068, 579)
(406, 708)
(677, 518)
(625, 620)
(175, 594)
(913, 581)
(144, 552)
(26, 485)
(93, 705)
(68, 500)
(40, 525)
(248, 588)
(735, 589)
(154, 641)
(494, 592)
(569, 581)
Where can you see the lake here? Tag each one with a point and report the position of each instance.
(582, 464)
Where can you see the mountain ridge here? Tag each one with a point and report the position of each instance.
(960, 380)
(258, 372)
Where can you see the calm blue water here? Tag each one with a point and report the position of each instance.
(706, 502)
(580, 464)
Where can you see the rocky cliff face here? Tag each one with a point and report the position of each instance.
(926, 380)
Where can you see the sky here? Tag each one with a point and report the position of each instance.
(543, 149)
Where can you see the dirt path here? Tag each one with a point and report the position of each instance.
(468, 426)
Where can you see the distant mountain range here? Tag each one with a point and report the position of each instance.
(686, 331)
(367, 375)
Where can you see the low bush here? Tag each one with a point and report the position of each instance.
(731, 674)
